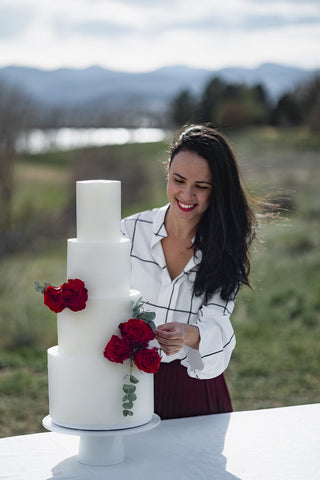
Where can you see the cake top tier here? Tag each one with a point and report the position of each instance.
(98, 210)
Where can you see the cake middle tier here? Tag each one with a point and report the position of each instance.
(89, 330)
(104, 267)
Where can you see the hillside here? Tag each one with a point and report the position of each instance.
(148, 91)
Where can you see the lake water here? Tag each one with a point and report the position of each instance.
(38, 141)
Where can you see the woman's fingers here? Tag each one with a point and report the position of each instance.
(170, 337)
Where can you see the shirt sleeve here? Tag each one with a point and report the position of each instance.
(217, 340)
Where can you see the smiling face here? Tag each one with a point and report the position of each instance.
(189, 186)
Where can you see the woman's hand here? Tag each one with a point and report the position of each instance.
(172, 336)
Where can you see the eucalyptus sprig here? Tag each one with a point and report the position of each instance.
(40, 288)
(139, 313)
(133, 345)
(129, 389)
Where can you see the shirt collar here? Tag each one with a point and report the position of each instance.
(159, 230)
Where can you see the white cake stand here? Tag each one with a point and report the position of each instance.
(100, 447)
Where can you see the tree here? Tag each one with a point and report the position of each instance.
(310, 103)
(232, 113)
(314, 116)
(287, 112)
(300, 107)
(232, 105)
(183, 108)
(211, 98)
(17, 111)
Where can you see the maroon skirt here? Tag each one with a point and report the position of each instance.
(178, 395)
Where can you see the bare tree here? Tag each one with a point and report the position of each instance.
(17, 111)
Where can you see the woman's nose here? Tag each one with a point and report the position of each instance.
(187, 192)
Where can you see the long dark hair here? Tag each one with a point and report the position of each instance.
(226, 229)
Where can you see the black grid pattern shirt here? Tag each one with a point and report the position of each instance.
(174, 300)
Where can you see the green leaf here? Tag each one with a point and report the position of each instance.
(129, 388)
(127, 405)
(148, 316)
(40, 288)
(137, 304)
(125, 413)
(37, 286)
(133, 379)
(132, 397)
(152, 325)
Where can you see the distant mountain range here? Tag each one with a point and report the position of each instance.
(150, 91)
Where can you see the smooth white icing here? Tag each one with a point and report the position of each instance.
(85, 389)
(88, 330)
(103, 266)
(98, 210)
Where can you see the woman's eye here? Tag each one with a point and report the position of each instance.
(177, 180)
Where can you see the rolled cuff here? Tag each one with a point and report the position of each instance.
(217, 341)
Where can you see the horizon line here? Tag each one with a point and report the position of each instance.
(163, 67)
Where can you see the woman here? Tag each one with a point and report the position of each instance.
(189, 259)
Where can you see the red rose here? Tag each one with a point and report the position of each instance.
(136, 332)
(52, 297)
(74, 294)
(147, 360)
(117, 350)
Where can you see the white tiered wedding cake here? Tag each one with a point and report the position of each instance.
(85, 388)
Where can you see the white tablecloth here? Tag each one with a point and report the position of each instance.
(273, 444)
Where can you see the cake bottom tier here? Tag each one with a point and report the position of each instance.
(85, 392)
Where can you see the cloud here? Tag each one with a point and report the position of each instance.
(270, 21)
(148, 3)
(141, 35)
(91, 28)
(248, 15)
(127, 17)
(14, 21)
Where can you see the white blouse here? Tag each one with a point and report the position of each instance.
(174, 300)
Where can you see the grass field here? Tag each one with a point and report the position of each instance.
(277, 358)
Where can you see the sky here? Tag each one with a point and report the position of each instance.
(143, 35)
